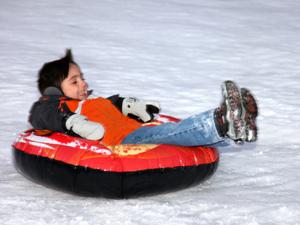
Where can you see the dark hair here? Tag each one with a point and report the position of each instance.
(54, 72)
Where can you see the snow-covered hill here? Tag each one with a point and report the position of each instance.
(177, 52)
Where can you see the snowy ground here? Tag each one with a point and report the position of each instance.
(177, 52)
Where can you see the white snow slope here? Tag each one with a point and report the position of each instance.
(177, 52)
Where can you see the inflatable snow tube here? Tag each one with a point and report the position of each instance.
(89, 168)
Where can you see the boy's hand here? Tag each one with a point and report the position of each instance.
(85, 128)
(142, 109)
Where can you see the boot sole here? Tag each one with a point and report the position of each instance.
(250, 110)
(233, 102)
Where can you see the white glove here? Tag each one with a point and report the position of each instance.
(142, 109)
(85, 128)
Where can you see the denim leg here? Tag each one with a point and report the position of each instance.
(196, 130)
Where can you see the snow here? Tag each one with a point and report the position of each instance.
(177, 52)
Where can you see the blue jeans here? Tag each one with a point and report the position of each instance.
(196, 130)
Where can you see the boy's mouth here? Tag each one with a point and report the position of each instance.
(83, 94)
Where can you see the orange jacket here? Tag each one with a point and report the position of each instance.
(101, 110)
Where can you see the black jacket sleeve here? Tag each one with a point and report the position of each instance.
(117, 101)
(46, 115)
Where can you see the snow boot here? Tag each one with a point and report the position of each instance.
(250, 112)
(219, 118)
(233, 112)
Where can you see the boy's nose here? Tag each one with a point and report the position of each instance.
(84, 84)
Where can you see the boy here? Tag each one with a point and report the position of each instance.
(66, 106)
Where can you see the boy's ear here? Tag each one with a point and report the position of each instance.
(52, 91)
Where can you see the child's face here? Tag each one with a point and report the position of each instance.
(74, 85)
